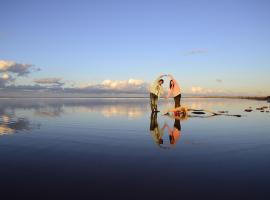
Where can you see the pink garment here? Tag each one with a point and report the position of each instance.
(175, 90)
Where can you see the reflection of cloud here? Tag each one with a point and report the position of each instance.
(9, 127)
(130, 108)
(129, 111)
(10, 124)
(6, 119)
(49, 112)
(4, 130)
(121, 111)
(199, 105)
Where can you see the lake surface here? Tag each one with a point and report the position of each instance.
(104, 148)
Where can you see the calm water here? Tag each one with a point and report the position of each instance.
(103, 148)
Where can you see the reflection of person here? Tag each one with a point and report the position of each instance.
(156, 132)
(156, 90)
(175, 91)
(175, 133)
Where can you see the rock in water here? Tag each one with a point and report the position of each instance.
(198, 112)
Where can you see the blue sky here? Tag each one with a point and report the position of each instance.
(87, 42)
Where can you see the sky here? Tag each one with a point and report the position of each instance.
(95, 46)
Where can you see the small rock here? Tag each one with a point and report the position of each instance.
(248, 110)
(223, 111)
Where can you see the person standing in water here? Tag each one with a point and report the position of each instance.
(156, 90)
(175, 91)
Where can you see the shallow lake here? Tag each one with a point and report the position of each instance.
(114, 148)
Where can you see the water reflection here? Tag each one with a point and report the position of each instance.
(157, 133)
(99, 153)
(130, 112)
(49, 111)
(174, 132)
(18, 114)
(10, 124)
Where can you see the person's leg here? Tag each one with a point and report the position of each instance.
(152, 103)
(177, 101)
(155, 100)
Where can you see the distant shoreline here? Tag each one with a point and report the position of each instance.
(187, 97)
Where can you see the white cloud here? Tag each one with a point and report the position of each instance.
(202, 90)
(10, 70)
(16, 68)
(135, 82)
(5, 76)
(117, 85)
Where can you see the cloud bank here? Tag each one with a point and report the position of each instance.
(49, 81)
(56, 87)
(116, 86)
(198, 90)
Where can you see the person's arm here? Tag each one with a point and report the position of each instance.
(172, 78)
(159, 77)
(155, 82)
